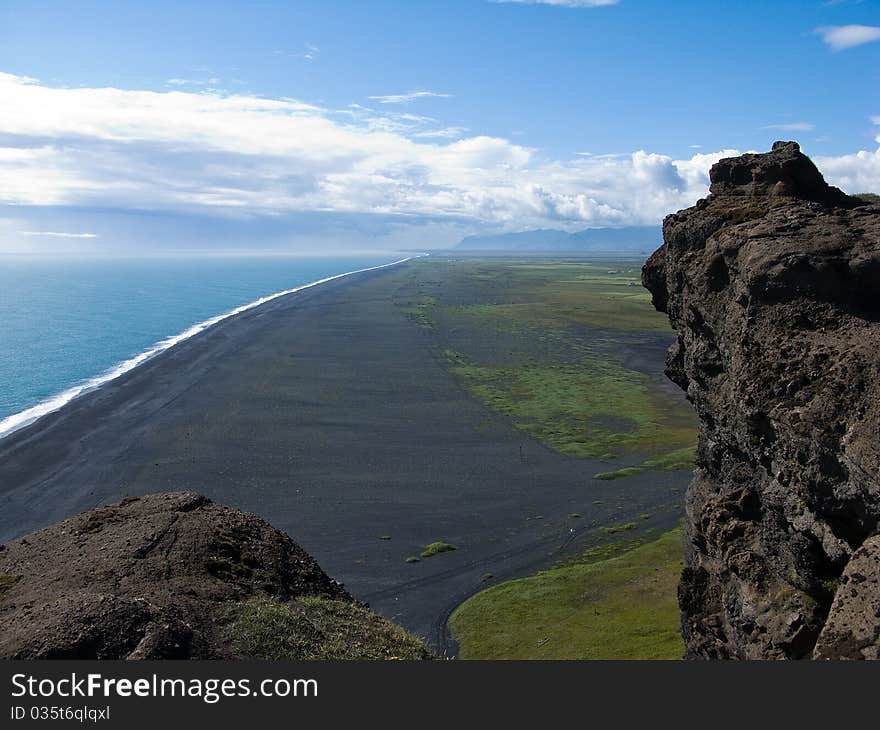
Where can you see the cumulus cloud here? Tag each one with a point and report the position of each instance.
(226, 154)
(855, 173)
(840, 37)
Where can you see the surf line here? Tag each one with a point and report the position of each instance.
(19, 420)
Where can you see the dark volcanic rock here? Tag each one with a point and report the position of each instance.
(782, 172)
(147, 578)
(852, 630)
(773, 286)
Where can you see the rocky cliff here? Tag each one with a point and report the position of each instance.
(175, 576)
(772, 284)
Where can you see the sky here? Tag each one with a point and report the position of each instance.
(391, 124)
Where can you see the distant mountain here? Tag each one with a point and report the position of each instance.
(630, 239)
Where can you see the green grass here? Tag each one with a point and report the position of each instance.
(678, 460)
(615, 529)
(542, 340)
(744, 213)
(315, 628)
(619, 473)
(421, 311)
(574, 292)
(619, 607)
(7, 581)
(547, 343)
(436, 548)
(592, 408)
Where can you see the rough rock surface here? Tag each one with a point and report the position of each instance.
(852, 630)
(146, 579)
(773, 286)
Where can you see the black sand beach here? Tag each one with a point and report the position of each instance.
(331, 414)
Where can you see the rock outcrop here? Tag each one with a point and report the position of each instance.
(175, 576)
(772, 284)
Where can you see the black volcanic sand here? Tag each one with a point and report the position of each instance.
(331, 414)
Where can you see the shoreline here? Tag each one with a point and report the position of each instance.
(21, 419)
(331, 414)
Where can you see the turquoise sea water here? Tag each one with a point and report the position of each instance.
(67, 323)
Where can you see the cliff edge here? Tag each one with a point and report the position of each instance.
(772, 284)
(175, 576)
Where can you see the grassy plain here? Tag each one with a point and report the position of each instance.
(545, 342)
(571, 351)
(609, 603)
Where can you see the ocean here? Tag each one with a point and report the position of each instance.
(67, 324)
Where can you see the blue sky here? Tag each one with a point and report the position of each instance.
(410, 121)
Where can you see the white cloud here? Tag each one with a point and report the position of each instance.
(408, 97)
(840, 37)
(192, 82)
(210, 153)
(855, 173)
(564, 3)
(310, 52)
(58, 234)
(445, 133)
(792, 127)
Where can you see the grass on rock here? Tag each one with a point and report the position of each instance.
(312, 627)
(7, 581)
(436, 548)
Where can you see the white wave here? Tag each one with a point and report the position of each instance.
(50, 405)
